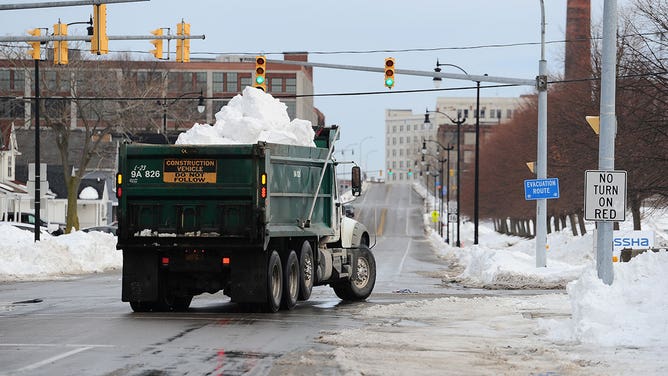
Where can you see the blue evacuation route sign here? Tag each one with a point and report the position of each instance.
(537, 189)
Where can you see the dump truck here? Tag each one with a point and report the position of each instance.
(262, 222)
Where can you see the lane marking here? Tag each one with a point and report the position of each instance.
(403, 259)
(381, 225)
(53, 359)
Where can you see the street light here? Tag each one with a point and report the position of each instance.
(200, 107)
(476, 190)
(447, 184)
(458, 123)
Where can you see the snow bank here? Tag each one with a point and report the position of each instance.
(248, 118)
(630, 312)
(54, 256)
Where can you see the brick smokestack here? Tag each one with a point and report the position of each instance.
(578, 47)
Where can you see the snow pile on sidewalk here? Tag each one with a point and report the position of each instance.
(55, 256)
(629, 312)
(248, 118)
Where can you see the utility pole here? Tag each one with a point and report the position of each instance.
(541, 153)
(608, 131)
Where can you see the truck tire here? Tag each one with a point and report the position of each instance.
(306, 271)
(361, 283)
(182, 303)
(142, 306)
(274, 283)
(290, 281)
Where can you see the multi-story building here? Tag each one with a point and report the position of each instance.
(405, 133)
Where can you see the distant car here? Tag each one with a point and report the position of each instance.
(349, 211)
(29, 219)
(110, 229)
(27, 227)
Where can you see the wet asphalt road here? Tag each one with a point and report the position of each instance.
(80, 326)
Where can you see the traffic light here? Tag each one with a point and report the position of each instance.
(35, 51)
(260, 73)
(60, 47)
(389, 72)
(183, 45)
(157, 43)
(99, 43)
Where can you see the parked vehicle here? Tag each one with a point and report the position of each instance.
(110, 228)
(26, 227)
(29, 218)
(261, 222)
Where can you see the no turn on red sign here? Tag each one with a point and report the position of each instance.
(605, 195)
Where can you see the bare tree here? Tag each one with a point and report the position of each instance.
(82, 97)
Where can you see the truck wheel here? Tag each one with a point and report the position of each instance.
(274, 283)
(141, 306)
(361, 283)
(290, 281)
(182, 303)
(306, 271)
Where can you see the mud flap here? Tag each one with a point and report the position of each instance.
(140, 277)
(248, 278)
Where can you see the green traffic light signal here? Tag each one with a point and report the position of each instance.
(389, 82)
(259, 80)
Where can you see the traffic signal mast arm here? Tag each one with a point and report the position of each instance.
(407, 72)
(87, 38)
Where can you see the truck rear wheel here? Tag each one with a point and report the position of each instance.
(361, 283)
(290, 281)
(142, 306)
(306, 271)
(274, 283)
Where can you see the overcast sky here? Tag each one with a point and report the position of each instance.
(272, 27)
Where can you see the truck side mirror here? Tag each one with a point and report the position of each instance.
(356, 181)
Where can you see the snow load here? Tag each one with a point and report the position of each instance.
(248, 118)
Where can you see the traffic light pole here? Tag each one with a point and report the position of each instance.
(57, 4)
(38, 179)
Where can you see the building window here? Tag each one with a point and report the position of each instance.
(482, 113)
(200, 81)
(232, 83)
(401, 128)
(292, 109)
(4, 79)
(218, 80)
(466, 112)
(19, 80)
(509, 113)
(245, 81)
(291, 85)
(276, 85)
(11, 108)
(173, 83)
(218, 104)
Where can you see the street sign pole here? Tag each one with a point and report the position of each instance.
(606, 145)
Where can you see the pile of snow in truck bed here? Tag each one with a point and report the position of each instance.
(248, 118)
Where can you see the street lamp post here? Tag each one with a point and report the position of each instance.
(440, 194)
(476, 194)
(458, 123)
(200, 107)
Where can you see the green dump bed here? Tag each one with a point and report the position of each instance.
(221, 195)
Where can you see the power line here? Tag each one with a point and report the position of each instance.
(342, 94)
